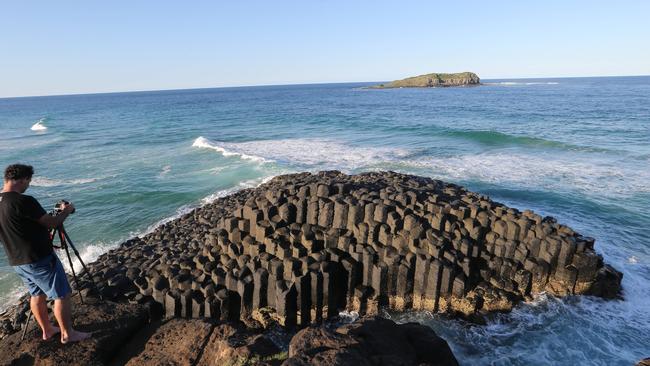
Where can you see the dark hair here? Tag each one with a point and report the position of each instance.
(18, 171)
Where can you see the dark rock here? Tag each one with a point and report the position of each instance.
(177, 342)
(111, 324)
(232, 344)
(644, 362)
(371, 341)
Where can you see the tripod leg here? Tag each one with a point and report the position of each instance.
(26, 325)
(83, 265)
(74, 275)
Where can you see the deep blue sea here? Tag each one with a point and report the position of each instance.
(574, 148)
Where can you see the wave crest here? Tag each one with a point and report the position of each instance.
(496, 138)
(47, 182)
(39, 126)
(612, 178)
(310, 153)
(202, 142)
(519, 83)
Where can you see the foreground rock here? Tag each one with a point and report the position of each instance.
(111, 324)
(200, 342)
(435, 80)
(121, 337)
(374, 341)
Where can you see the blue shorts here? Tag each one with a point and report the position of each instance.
(45, 277)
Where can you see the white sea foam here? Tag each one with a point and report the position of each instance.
(88, 253)
(311, 153)
(537, 332)
(348, 316)
(547, 172)
(47, 182)
(516, 83)
(165, 170)
(11, 297)
(252, 183)
(226, 149)
(517, 169)
(39, 126)
(216, 170)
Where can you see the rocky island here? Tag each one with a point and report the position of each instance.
(211, 286)
(434, 80)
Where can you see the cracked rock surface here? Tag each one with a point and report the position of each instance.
(311, 245)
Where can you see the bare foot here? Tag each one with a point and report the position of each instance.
(51, 332)
(75, 336)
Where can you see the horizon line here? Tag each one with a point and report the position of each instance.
(287, 84)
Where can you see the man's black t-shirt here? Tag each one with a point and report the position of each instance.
(25, 240)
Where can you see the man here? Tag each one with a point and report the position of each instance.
(24, 226)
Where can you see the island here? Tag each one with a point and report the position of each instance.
(434, 80)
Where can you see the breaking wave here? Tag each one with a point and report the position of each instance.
(39, 126)
(519, 83)
(47, 182)
(311, 153)
(226, 149)
(547, 172)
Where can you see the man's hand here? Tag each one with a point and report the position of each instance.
(68, 208)
(52, 222)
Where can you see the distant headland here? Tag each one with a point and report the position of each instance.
(434, 80)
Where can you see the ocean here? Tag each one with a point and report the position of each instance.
(577, 149)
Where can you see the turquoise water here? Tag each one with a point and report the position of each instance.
(577, 149)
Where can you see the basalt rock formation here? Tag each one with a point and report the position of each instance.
(311, 245)
(434, 80)
(303, 247)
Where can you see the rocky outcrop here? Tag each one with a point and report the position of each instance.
(303, 247)
(111, 323)
(374, 341)
(644, 362)
(311, 245)
(434, 80)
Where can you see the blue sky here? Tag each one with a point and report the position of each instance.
(63, 47)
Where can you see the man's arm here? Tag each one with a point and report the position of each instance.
(51, 222)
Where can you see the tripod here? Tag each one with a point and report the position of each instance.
(65, 243)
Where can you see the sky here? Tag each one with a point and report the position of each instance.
(69, 47)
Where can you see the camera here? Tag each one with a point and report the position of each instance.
(58, 207)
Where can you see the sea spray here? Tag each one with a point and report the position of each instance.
(39, 126)
(202, 142)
